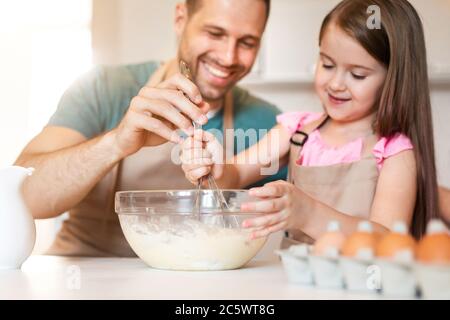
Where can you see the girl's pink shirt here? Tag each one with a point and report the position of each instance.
(316, 152)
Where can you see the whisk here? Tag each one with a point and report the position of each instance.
(217, 193)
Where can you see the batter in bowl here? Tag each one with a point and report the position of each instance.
(188, 245)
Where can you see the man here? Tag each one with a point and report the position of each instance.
(111, 128)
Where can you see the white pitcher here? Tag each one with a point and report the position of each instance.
(17, 229)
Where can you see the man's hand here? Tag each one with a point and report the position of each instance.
(156, 113)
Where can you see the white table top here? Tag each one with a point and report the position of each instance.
(47, 277)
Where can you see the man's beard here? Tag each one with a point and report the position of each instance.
(213, 94)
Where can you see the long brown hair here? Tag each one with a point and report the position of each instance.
(404, 105)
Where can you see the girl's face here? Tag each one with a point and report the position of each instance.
(348, 79)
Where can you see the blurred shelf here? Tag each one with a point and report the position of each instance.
(307, 80)
(279, 82)
(440, 79)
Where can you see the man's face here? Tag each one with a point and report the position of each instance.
(220, 42)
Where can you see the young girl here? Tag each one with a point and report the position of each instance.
(369, 155)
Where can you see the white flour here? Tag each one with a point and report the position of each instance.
(188, 245)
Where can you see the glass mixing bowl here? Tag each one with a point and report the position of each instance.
(165, 229)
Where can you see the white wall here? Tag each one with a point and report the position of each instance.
(15, 59)
(41, 52)
(133, 30)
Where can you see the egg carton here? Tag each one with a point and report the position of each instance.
(398, 278)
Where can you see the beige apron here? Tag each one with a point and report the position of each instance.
(349, 187)
(93, 228)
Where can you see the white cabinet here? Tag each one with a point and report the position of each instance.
(291, 40)
(290, 46)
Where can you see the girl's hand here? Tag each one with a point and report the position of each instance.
(279, 204)
(201, 155)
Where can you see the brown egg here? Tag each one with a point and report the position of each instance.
(435, 246)
(331, 242)
(363, 241)
(396, 242)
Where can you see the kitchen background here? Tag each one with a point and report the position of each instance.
(46, 44)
